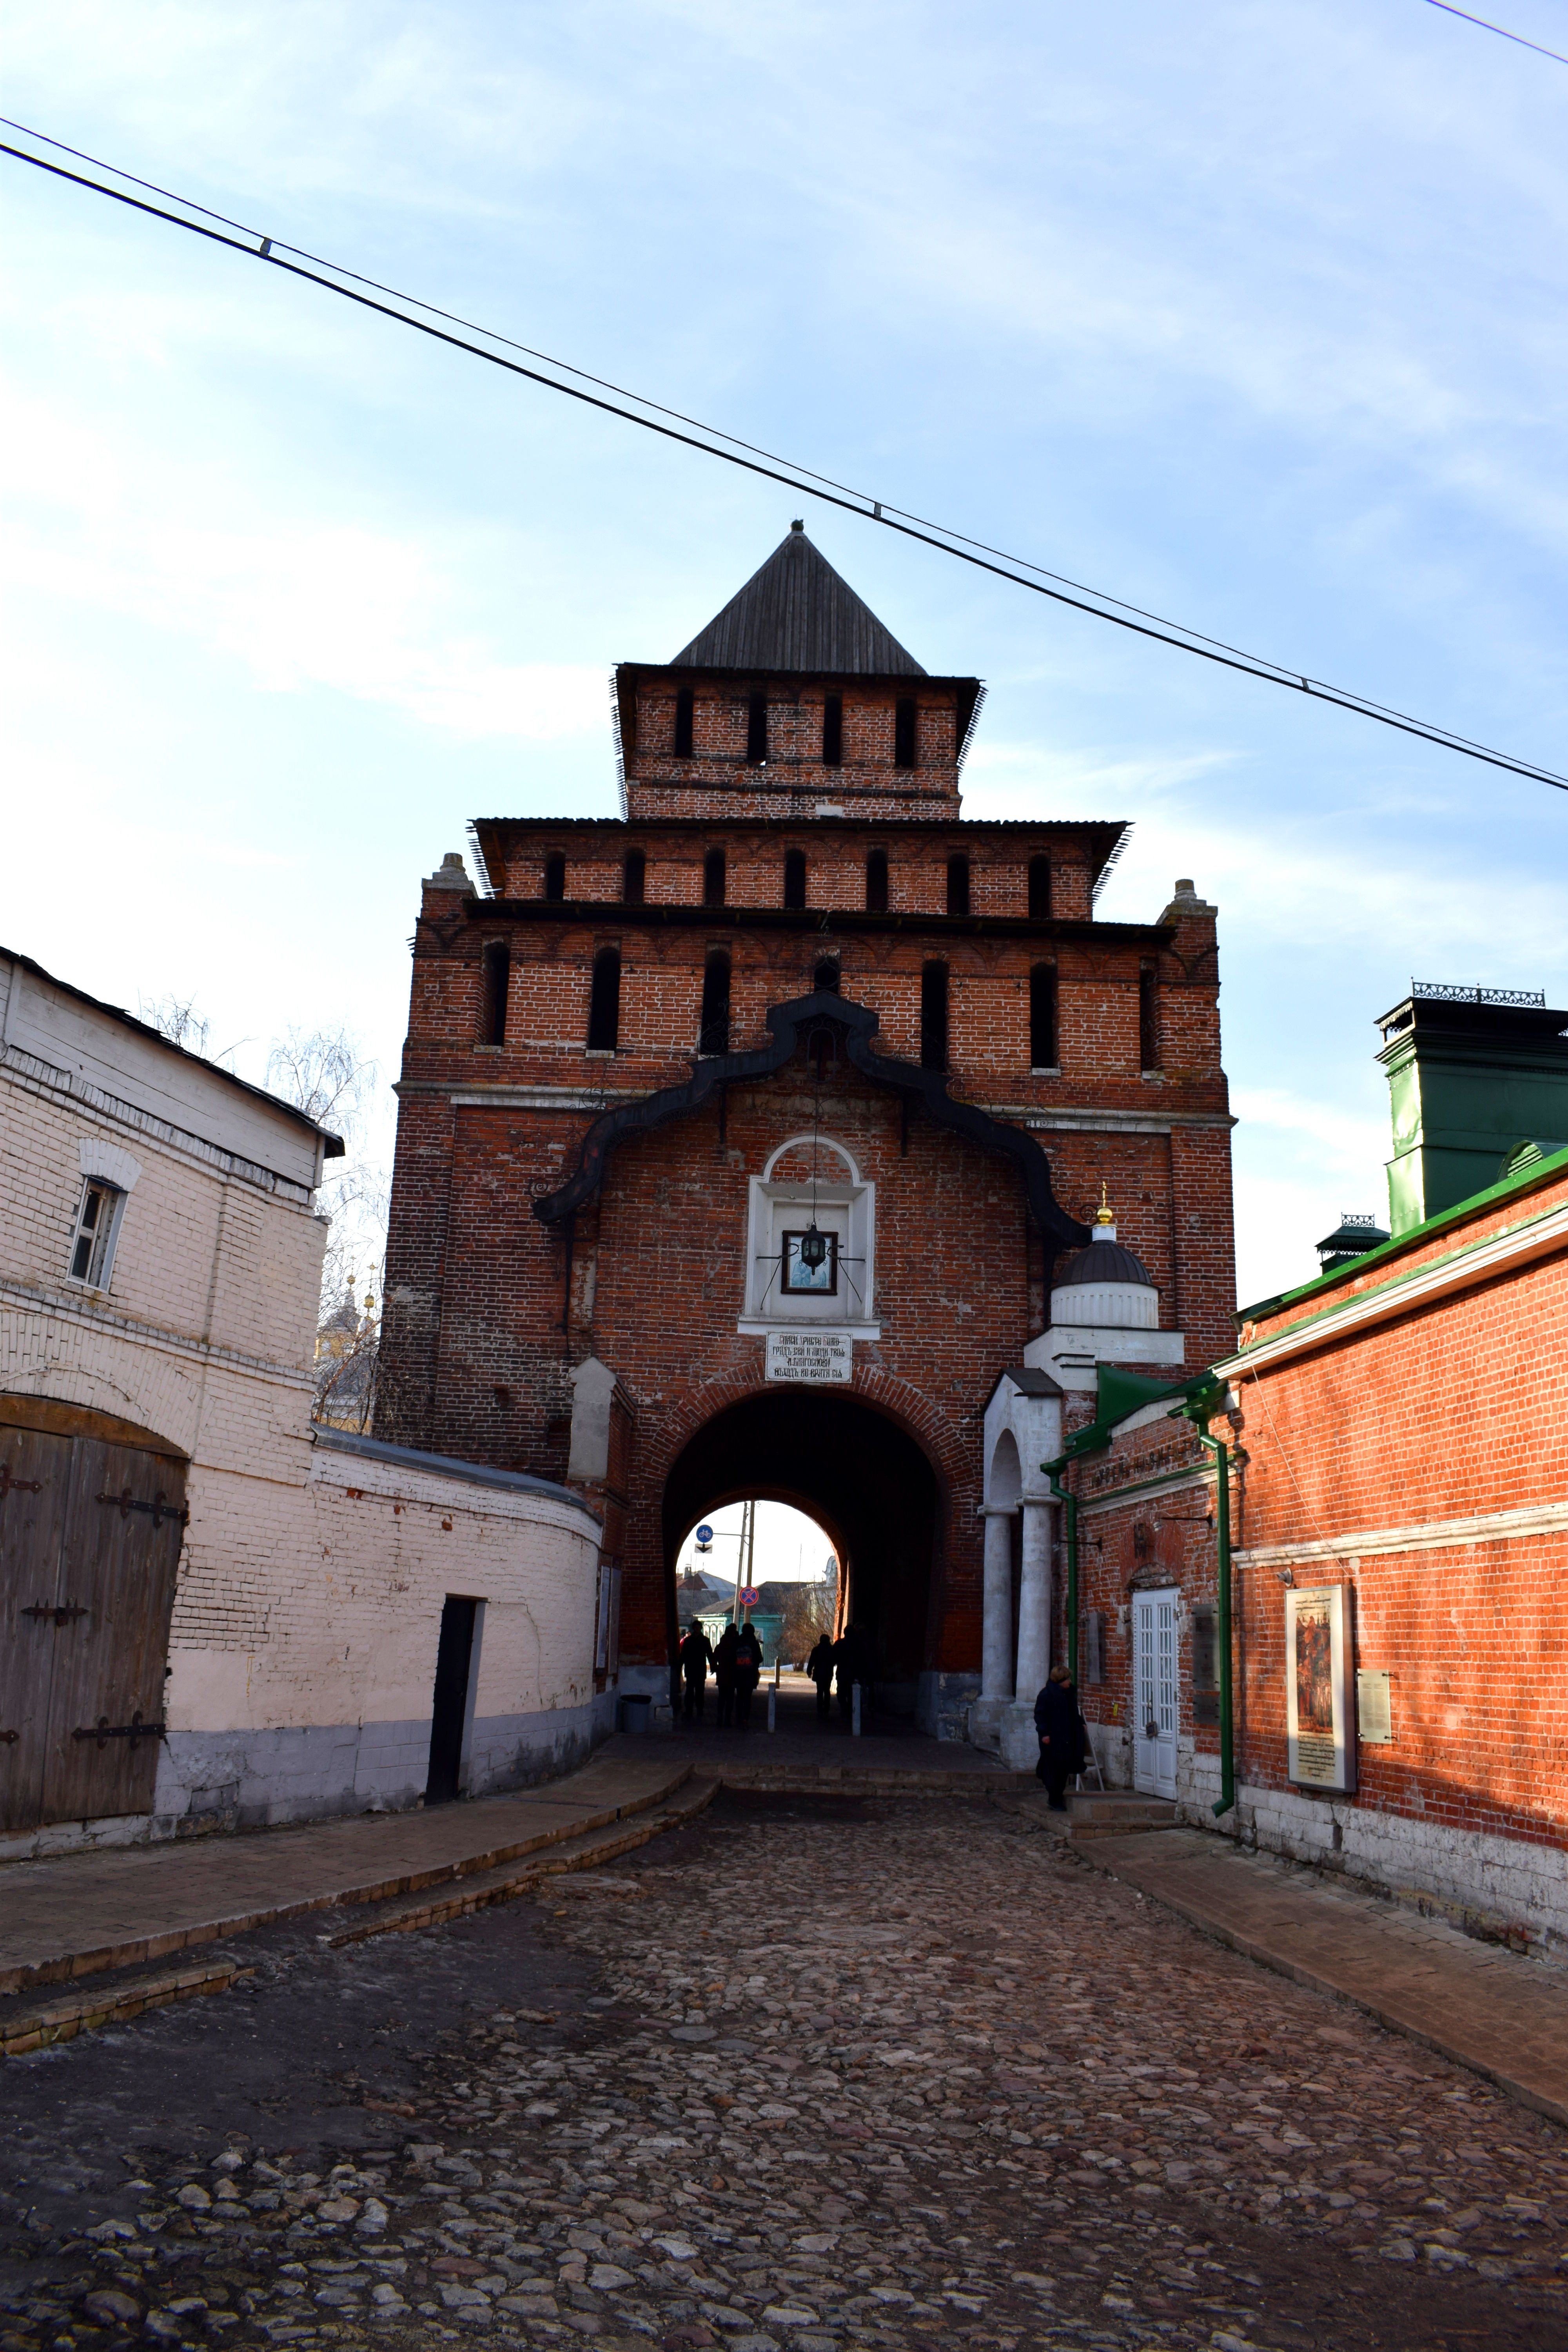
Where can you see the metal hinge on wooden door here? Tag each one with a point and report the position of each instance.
(103, 1731)
(125, 1501)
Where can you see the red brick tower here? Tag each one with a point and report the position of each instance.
(738, 1135)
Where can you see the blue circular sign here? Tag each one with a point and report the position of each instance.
(704, 1535)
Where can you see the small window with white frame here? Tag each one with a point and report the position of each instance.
(94, 1233)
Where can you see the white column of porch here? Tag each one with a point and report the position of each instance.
(996, 1629)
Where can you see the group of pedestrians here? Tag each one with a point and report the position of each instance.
(845, 1661)
(736, 1663)
(735, 1660)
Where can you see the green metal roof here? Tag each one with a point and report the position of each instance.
(1539, 1171)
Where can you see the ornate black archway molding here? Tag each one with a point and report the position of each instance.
(789, 1025)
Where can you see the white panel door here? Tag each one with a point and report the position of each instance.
(1154, 1660)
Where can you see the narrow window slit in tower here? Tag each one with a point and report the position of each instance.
(605, 1002)
(714, 1035)
(633, 880)
(555, 875)
(713, 878)
(958, 885)
(833, 732)
(1043, 1017)
(497, 978)
(1039, 888)
(1148, 1017)
(794, 877)
(904, 732)
(933, 1017)
(877, 882)
(684, 701)
(757, 731)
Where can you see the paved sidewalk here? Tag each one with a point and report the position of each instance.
(1490, 2009)
(75, 1915)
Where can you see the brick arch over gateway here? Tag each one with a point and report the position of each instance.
(790, 1024)
(855, 1461)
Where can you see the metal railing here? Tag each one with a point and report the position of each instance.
(1445, 993)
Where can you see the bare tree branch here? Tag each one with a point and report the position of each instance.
(322, 1073)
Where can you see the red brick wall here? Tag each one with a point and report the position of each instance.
(717, 780)
(1458, 1406)
(1455, 1407)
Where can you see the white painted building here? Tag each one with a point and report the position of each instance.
(211, 1613)
(1105, 1309)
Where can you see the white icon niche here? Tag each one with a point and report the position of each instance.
(810, 1193)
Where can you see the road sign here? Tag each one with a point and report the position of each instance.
(750, 1595)
(704, 1535)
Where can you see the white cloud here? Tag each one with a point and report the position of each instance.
(295, 601)
(1338, 1138)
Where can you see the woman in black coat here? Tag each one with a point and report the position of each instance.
(1062, 1736)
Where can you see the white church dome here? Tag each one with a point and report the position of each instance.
(1106, 1285)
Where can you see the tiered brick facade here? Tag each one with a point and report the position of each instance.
(484, 1324)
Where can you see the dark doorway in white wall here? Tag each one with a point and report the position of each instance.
(449, 1715)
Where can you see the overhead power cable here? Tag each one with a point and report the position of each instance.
(711, 442)
(1501, 29)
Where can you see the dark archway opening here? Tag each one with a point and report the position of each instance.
(861, 1477)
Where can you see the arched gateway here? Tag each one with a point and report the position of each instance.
(856, 1470)
(739, 1134)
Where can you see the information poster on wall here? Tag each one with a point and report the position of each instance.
(1318, 1689)
(808, 1355)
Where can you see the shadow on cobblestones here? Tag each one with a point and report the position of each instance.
(809, 2073)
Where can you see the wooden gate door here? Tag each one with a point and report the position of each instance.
(35, 1486)
(87, 1592)
(1155, 1692)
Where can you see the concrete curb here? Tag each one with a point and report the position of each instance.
(40, 2029)
(583, 1852)
(876, 1779)
(92, 1959)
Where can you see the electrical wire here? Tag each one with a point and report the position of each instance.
(1501, 29)
(714, 443)
(881, 507)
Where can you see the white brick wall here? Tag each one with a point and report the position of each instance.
(302, 1652)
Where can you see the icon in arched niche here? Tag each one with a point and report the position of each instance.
(810, 1240)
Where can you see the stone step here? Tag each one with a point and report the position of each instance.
(477, 1891)
(871, 1781)
(63, 2020)
(1093, 1814)
(1119, 1805)
(106, 2004)
(82, 1915)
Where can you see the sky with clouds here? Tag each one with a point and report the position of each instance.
(1252, 314)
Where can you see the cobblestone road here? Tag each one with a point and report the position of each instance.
(811, 2075)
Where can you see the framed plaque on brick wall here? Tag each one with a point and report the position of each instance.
(1318, 1723)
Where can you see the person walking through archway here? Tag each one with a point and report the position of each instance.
(724, 1666)
(696, 1657)
(748, 1670)
(819, 1666)
(1063, 1738)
